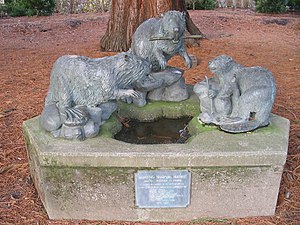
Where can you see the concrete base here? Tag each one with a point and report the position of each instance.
(232, 175)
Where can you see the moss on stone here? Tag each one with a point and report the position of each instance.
(237, 174)
(158, 109)
(58, 182)
(51, 161)
(26, 134)
(195, 127)
(110, 176)
(90, 175)
(270, 129)
(110, 127)
(65, 183)
(64, 179)
(206, 220)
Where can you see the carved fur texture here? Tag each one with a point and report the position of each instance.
(159, 39)
(82, 81)
(79, 80)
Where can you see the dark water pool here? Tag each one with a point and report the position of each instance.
(161, 131)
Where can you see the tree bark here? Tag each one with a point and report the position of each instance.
(127, 15)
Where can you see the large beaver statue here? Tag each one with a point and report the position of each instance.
(82, 91)
(159, 39)
(239, 98)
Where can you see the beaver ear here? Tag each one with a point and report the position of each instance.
(228, 58)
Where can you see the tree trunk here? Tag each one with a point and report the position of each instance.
(127, 15)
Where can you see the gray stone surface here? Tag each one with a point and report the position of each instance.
(166, 85)
(232, 175)
(173, 89)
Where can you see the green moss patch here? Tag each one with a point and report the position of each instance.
(110, 127)
(159, 109)
(195, 127)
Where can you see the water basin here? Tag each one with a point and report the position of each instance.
(160, 131)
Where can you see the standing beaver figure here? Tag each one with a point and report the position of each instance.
(157, 40)
(239, 98)
(82, 89)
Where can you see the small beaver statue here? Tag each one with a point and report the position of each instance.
(239, 98)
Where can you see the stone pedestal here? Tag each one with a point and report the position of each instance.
(231, 175)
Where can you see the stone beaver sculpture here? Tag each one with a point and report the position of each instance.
(158, 40)
(82, 89)
(239, 98)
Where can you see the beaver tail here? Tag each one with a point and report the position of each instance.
(242, 127)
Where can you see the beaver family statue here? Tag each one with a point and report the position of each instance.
(159, 39)
(239, 98)
(82, 91)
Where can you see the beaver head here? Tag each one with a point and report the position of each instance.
(222, 66)
(173, 25)
(130, 68)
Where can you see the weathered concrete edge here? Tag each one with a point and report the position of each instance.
(49, 159)
(165, 157)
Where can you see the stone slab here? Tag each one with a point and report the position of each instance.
(231, 175)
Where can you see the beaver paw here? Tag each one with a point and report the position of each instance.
(127, 93)
(188, 63)
(206, 118)
(76, 116)
(163, 64)
(211, 93)
(89, 130)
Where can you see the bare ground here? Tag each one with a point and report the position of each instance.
(29, 47)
